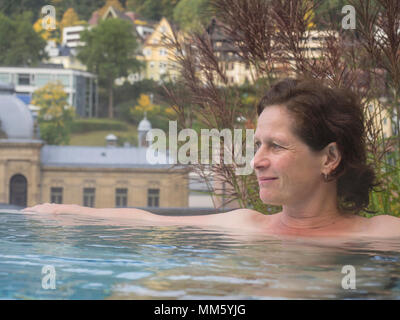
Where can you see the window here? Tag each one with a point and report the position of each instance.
(153, 197)
(5, 77)
(121, 197)
(56, 195)
(42, 79)
(24, 79)
(89, 197)
(64, 79)
(163, 52)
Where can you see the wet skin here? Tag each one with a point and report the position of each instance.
(290, 174)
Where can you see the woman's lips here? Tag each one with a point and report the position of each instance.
(265, 180)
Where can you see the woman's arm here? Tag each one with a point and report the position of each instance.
(76, 209)
(109, 213)
(235, 218)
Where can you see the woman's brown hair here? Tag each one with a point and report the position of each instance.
(324, 115)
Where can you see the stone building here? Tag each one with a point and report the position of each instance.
(32, 172)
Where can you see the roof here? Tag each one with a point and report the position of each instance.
(64, 51)
(144, 125)
(156, 32)
(16, 120)
(7, 88)
(97, 157)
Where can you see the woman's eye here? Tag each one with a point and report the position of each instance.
(257, 145)
(276, 146)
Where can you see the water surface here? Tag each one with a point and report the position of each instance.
(96, 260)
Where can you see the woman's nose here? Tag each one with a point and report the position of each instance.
(260, 160)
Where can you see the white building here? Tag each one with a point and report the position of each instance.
(80, 86)
(71, 36)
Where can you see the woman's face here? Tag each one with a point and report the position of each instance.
(288, 171)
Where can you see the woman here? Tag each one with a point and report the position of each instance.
(310, 159)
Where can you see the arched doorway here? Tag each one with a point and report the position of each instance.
(18, 190)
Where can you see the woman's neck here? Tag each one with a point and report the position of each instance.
(309, 220)
(318, 212)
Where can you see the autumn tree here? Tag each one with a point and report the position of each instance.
(47, 35)
(70, 18)
(55, 115)
(144, 103)
(109, 51)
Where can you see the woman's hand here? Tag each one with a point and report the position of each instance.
(53, 208)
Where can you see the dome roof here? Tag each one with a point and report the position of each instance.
(111, 137)
(16, 119)
(144, 125)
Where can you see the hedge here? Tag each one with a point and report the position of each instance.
(97, 124)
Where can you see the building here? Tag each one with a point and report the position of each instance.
(141, 28)
(71, 36)
(63, 55)
(236, 70)
(80, 86)
(158, 57)
(32, 172)
(200, 192)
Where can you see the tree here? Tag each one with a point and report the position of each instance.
(115, 3)
(55, 115)
(109, 52)
(47, 34)
(329, 13)
(153, 9)
(70, 18)
(84, 9)
(16, 7)
(19, 43)
(144, 103)
(191, 14)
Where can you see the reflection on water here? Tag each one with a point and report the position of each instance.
(100, 261)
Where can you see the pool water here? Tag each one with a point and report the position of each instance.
(96, 260)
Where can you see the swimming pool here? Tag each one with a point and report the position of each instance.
(91, 259)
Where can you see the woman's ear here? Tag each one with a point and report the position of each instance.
(331, 158)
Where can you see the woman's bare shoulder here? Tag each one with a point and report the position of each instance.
(239, 218)
(385, 226)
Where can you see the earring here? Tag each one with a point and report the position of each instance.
(326, 177)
